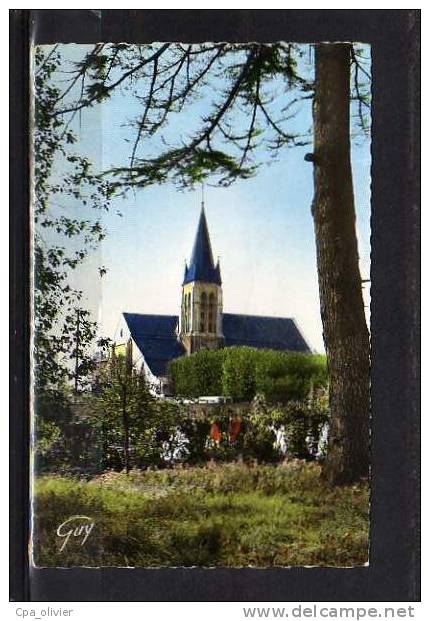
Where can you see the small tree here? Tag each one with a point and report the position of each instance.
(124, 407)
(138, 429)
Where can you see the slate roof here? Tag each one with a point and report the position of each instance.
(202, 264)
(155, 336)
(263, 332)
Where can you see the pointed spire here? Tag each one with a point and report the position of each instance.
(202, 250)
(202, 264)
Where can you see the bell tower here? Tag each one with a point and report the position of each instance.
(201, 307)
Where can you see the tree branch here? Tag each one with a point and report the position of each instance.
(110, 87)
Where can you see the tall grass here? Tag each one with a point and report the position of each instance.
(226, 515)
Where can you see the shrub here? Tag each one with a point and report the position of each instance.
(285, 376)
(199, 374)
(238, 373)
(67, 437)
(162, 434)
(243, 372)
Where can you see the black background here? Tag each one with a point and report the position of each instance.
(393, 573)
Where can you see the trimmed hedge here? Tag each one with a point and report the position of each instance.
(199, 374)
(243, 372)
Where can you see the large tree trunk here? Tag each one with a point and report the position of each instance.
(345, 331)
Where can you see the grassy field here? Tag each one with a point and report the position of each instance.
(227, 515)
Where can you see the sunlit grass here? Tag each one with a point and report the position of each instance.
(228, 515)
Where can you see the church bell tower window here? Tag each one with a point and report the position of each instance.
(212, 313)
(203, 304)
(188, 312)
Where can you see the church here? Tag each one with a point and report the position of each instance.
(152, 341)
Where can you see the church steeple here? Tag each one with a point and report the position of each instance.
(202, 266)
(201, 307)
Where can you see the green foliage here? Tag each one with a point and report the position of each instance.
(199, 374)
(238, 373)
(125, 427)
(259, 438)
(243, 372)
(48, 435)
(258, 87)
(66, 435)
(228, 515)
(61, 242)
(283, 376)
(125, 415)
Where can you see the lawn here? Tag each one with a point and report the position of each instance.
(220, 515)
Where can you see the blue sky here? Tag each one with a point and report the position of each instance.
(261, 229)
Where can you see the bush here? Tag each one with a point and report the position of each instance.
(286, 376)
(162, 434)
(67, 436)
(199, 374)
(243, 372)
(238, 373)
